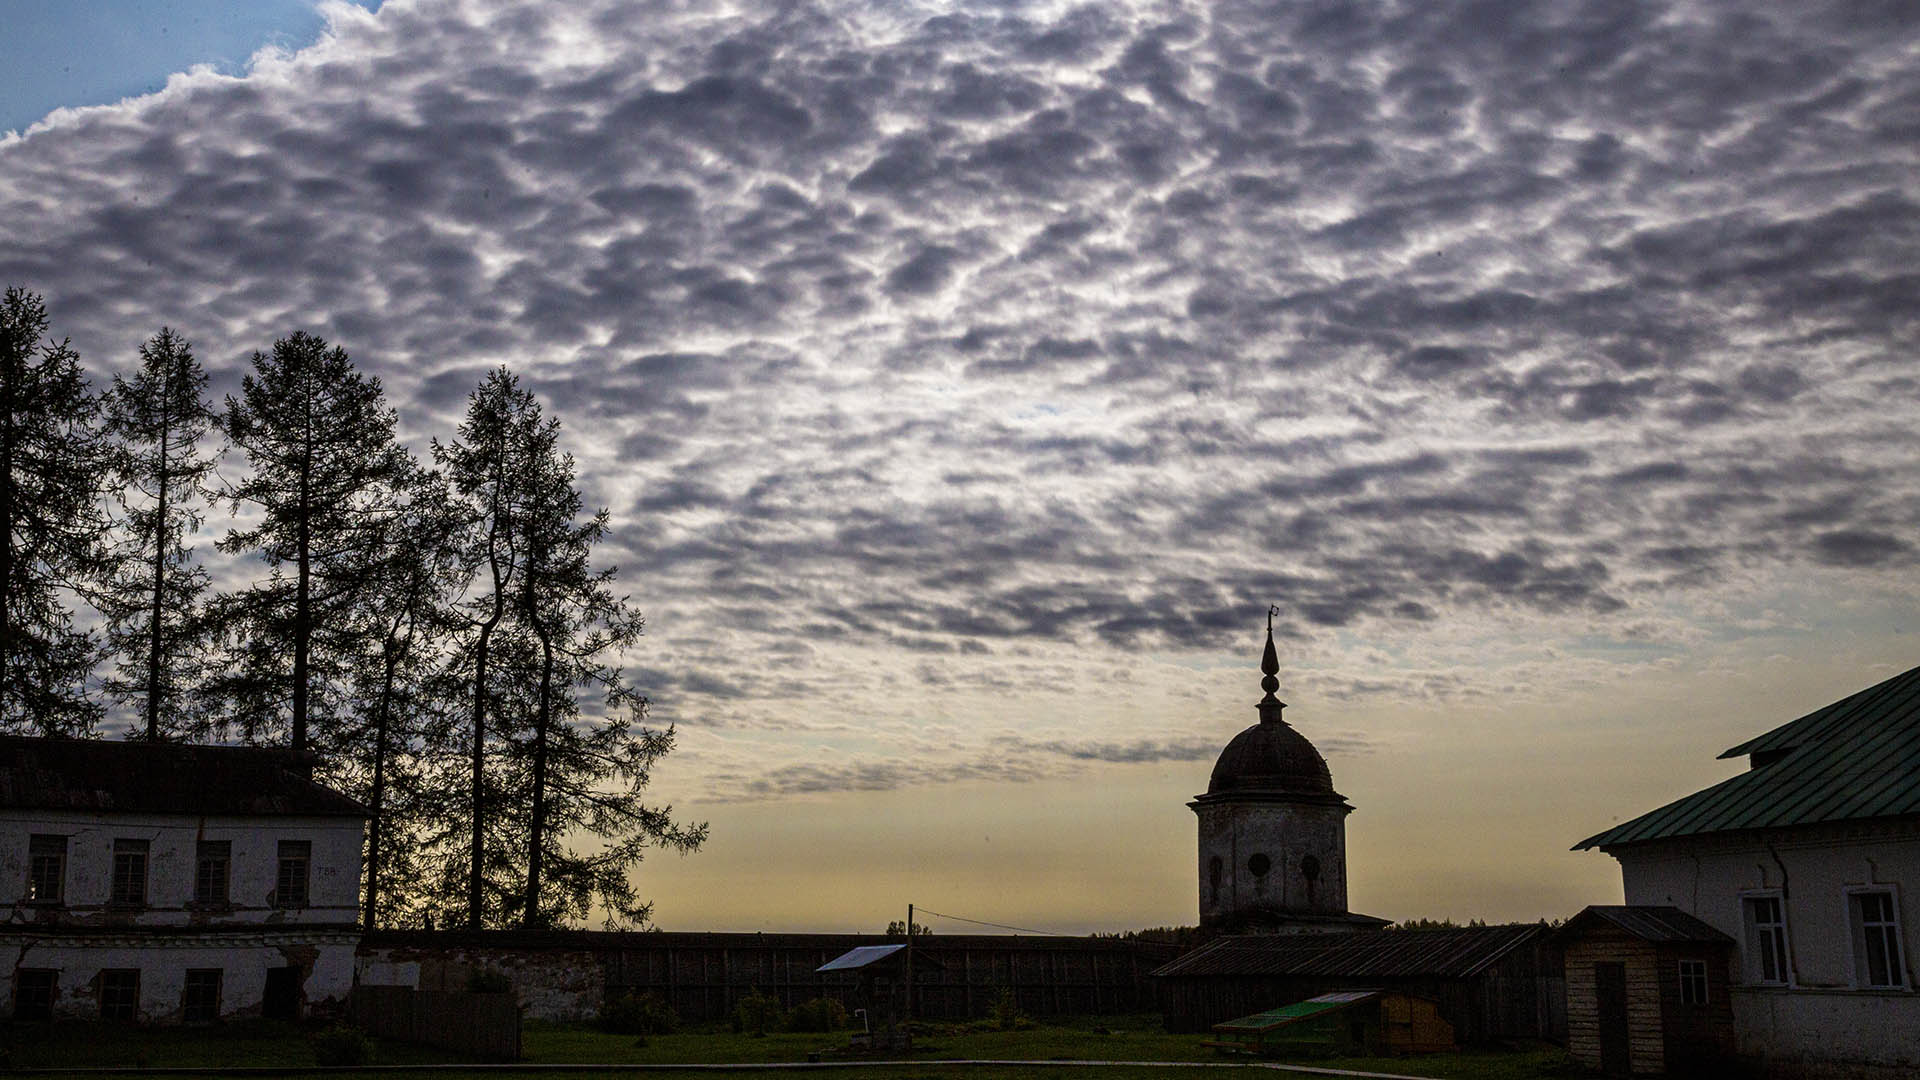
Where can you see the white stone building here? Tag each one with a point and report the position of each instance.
(160, 882)
(1810, 862)
(1273, 832)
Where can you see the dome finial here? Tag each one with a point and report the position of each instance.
(1270, 706)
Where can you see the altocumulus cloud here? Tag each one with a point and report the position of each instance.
(1002, 331)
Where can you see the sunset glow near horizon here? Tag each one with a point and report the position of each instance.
(966, 379)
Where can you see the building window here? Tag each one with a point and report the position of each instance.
(129, 873)
(200, 1002)
(1259, 864)
(120, 994)
(33, 994)
(1766, 923)
(1876, 940)
(1213, 879)
(1693, 982)
(46, 868)
(211, 860)
(290, 888)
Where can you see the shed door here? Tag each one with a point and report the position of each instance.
(1610, 991)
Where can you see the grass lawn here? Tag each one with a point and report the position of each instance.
(1130, 1038)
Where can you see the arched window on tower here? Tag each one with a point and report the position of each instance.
(1214, 869)
(1310, 869)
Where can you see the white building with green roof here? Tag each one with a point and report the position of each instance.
(1810, 861)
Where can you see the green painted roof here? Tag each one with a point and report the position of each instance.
(1299, 1010)
(1856, 758)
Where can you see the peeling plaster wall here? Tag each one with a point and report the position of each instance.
(333, 881)
(1285, 833)
(84, 934)
(550, 984)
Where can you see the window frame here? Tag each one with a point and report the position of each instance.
(1695, 987)
(119, 893)
(52, 991)
(132, 1005)
(1751, 961)
(206, 855)
(189, 1006)
(1893, 936)
(291, 853)
(34, 864)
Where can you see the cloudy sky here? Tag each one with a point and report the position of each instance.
(966, 378)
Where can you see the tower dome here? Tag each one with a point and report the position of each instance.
(1273, 848)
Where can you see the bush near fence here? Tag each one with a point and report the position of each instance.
(481, 1025)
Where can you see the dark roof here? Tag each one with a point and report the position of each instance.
(97, 776)
(1376, 954)
(1656, 923)
(1271, 759)
(1856, 758)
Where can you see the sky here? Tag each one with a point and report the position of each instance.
(965, 379)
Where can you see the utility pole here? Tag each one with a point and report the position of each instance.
(909, 971)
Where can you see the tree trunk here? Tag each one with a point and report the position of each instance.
(537, 832)
(159, 571)
(302, 588)
(476, 873)
(390, 657)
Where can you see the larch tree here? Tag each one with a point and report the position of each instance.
(585, 775)
(51, 467)
(156, 424)
(324, 475)
(541, 626)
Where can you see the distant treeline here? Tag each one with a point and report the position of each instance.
(423, 632)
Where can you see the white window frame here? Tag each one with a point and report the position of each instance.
(1856, 934)
(1753, 968)
(1694, 973)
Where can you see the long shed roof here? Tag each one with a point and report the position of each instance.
(1856, 758)
(1376, 954)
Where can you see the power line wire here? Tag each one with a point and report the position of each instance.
(995, 925)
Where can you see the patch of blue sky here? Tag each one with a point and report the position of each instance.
(61, 54)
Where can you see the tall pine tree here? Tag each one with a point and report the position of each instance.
(51, 468)
(156, 423)
(324, 475)
(541, 625)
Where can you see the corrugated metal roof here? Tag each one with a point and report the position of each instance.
(864, 956)
(1457, 953)
(1659, 923)
(101, 776)
(1299, 1010)
(1856, 758)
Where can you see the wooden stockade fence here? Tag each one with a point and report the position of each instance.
(955, 978)
(484, 1026)
(702, 976)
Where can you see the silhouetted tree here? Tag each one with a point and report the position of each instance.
(156, 422)
(587, 774)
(542, 625)
(51, 468)
(403, 696)
(325, 473)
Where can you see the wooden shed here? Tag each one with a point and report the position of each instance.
(1344, 1022)
(1647, 991)
(1489, 982)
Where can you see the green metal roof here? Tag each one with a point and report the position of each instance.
(1856, 758)
(1299, 1010)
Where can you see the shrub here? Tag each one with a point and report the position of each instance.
(1006, 1012)
(638, 1014)
(756, 1013)
(820, 1014)
(341, 1045)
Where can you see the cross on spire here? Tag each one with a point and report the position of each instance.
(1270, 706)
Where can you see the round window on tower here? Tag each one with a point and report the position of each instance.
(1259, 865)
(1310, 868)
